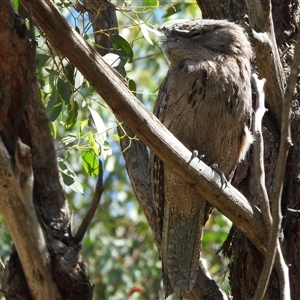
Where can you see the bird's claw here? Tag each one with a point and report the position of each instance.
(196, 154)
(215, 167)
(224, 181)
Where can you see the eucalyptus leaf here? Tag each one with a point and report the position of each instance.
(122, 47)
(90, 162)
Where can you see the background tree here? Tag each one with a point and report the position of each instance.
(80, 121)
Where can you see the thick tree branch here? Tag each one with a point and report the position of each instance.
(267, 56)
(16, 206)
(232, 10)
(110, 86)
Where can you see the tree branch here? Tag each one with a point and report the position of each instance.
(267, 57)
(258, 151)
(94, 205)
(16, 206)
(122, 102)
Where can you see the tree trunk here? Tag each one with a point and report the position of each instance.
(44, 263)
(245, 268)
(48, 194)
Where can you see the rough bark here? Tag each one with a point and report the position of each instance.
(247, 263)
(245, 269)
(104, 22)
(33, 202)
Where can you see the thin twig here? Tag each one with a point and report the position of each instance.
(262, 191)
(95, 202)
(258, 151)
(258, 154)
(283, 274)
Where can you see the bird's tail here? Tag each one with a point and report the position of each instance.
(181, 245)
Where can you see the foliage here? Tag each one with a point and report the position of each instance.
(118, 248)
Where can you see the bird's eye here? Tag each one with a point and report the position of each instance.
(194, 34)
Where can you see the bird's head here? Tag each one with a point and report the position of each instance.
(201, 40)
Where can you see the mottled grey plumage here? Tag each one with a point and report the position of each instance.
(205, 101)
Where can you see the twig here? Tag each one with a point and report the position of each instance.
(283, 274)
(258, 151)
(262, 192)
(95, 202)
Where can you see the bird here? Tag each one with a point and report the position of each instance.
(205, 101)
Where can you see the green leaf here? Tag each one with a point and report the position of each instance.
(41, 40)
(41, 82)
(53, 129)
(122, 47)
(93, 143)
(83, 124)
(54, 106)
(152, 3)
(69, 73)
(90, 162)
(132, 86)
(69, 177)
(107, 149)
(72, 114)
(174, 9)
(117, 138)
(67, 171)
(65, 90)
(41, 59)
(16, 4)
